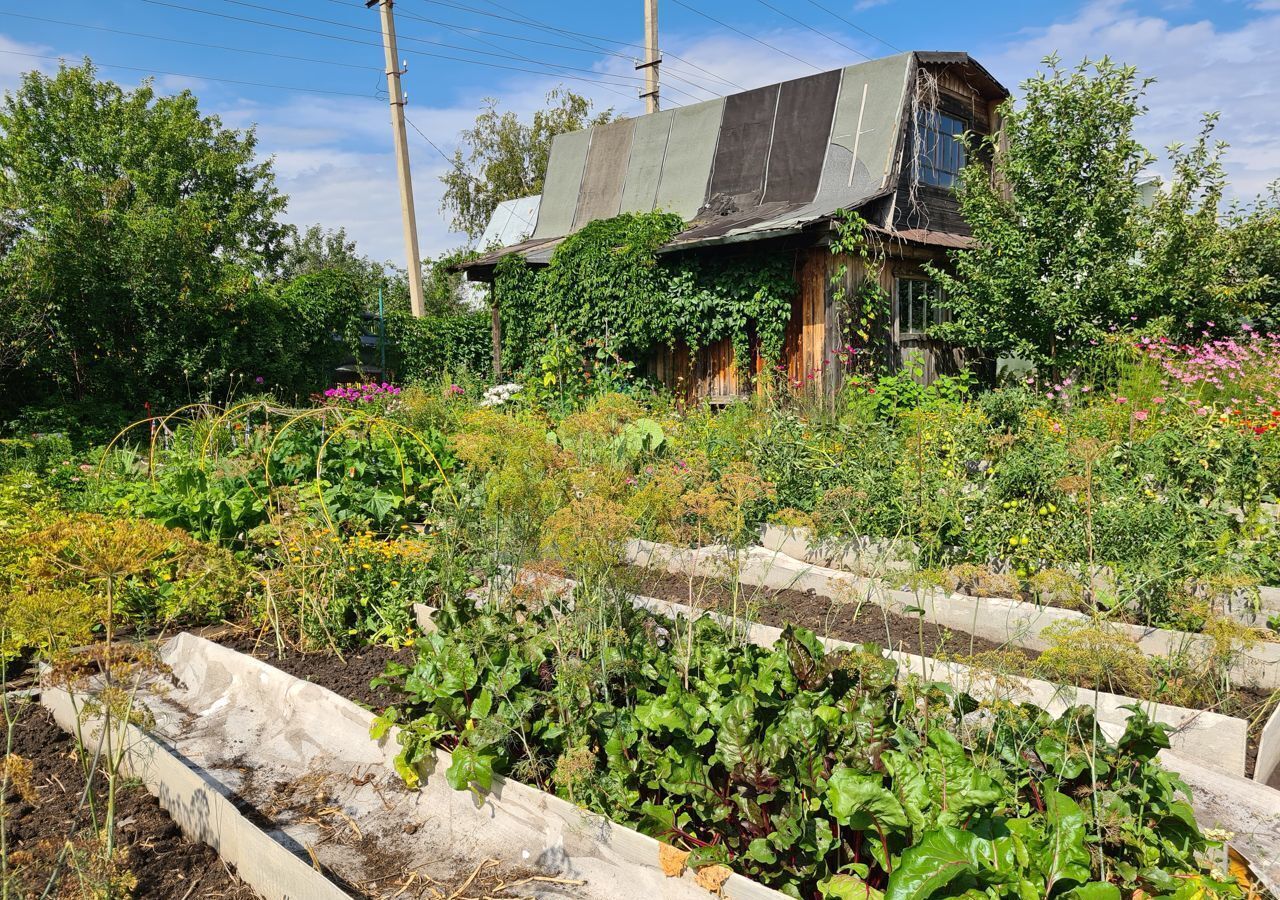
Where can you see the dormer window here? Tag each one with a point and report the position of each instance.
(940, 154)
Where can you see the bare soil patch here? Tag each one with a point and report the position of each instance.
(43, 811)
(857, 623)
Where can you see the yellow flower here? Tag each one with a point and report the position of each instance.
(367, 566)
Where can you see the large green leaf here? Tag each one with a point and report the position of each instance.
(862, 801)
(470, 767)
(1069, 858)
(938, 859)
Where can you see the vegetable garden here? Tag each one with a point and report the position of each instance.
(1138, 492)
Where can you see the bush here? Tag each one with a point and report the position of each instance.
(434, 345)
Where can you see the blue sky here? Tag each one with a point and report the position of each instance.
(332, 144)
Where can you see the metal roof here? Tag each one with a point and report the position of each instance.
(757, 164)
(512, 222)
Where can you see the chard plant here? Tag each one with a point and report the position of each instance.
(817, 773)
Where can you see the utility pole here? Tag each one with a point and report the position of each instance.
(402, 153)
(652, 59)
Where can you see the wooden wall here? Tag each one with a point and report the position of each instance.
(710, 374)
(929, 206)
(815, 337)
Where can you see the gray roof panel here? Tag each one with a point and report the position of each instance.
(644, 170)
(600, 196)
(691, 148)
(562, 184)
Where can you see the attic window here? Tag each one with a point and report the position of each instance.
(940, 154)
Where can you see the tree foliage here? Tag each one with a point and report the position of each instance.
(1067, 250)
(131, 224)
(1057, 227)
(1253, 242)
(503, 158)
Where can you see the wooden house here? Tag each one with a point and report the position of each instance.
(768, 169)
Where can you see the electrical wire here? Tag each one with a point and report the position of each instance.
(421, 40)
(579, 35)
(746, 34)
(262, 84)
(174, 40)
(851, 24)
(470, 31)
(608, 85)
(509, 53)
(803, 24)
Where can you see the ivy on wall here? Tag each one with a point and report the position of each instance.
(607, 281)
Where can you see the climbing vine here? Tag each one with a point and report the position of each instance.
(863, 304)
(607, 281)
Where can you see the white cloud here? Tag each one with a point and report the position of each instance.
(17, 57)
(1198, 67)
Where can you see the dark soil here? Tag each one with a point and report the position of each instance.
(42, 811)
(873, 624)
(867, 623)
(348, 675)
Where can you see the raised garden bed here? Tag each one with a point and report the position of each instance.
(44, 811)
(1221, 799)
(867, 622)
(856, 623)
(300, 759)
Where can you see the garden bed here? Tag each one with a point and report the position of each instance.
(1000, 620)
(43, 811)
(348, 674)
(869, 623)
(853, 622)
(300, 758)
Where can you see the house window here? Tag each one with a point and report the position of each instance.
(917, 305)
(940, 154)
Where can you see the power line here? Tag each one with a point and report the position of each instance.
(584, 38)
(869, 34)
(449, 160)
(470, 31)
(262, 84)
(507, 52)
(173, 40)
(350, 40)
(420, 40)
(804, 24)
(745, 34)
(689, 63)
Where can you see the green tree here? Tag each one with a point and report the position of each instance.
(502, 158)
(131, 225)
(1194, 280)
(1253, 248)
(1057, 224)
(319, 248)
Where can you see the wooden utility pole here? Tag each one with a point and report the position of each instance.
(407, 213)
(652, 59)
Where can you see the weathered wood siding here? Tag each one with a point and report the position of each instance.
(805, 352)
(929, 206)
(710, 374)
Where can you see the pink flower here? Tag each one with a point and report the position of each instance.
(1158, 401)
(1140, 415)
(1122, 400)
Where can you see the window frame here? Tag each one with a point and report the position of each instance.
(903, 306)
(939, 156)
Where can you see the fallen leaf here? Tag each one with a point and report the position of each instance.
(713, 877)
(672, 860)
